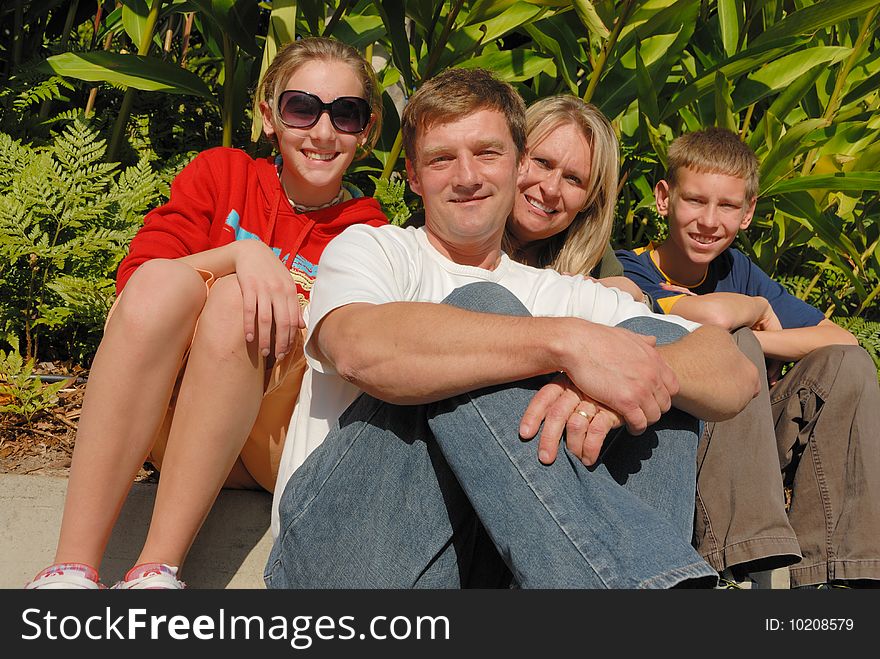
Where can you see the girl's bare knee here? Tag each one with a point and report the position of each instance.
(221, 324)
(224, 305)
(161, 292)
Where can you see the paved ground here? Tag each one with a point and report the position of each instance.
(230, 551)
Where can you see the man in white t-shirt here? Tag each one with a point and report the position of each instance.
(424, 450)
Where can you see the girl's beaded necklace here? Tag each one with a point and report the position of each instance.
(342, 195)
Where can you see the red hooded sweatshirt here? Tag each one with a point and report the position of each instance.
(225, 195)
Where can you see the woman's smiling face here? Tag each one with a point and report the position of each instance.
(554, 188)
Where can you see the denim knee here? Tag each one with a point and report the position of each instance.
(663, 330)
(487, 297)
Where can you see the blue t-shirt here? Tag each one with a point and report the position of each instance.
(731, 272)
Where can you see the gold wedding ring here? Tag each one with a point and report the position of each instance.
(583, 414)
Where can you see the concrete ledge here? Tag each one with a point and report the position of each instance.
(229, 552)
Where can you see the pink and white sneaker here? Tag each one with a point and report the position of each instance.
(67, 575)
(151, 576)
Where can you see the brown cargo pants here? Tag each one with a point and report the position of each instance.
(817, 432)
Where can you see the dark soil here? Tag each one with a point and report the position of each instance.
(45, 445)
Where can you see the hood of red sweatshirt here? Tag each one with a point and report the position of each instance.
(329, 221)
(224, 195)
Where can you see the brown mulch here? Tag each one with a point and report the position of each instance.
(45, 446)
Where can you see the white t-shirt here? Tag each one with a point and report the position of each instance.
(391, 264)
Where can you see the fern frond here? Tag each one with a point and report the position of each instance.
(390, 193)
(867, 332)
(14, 157)
(66, 218)
(44, 90)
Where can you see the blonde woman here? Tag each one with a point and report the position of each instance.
(564, 208)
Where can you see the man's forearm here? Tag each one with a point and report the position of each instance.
(413, 352)
(716, 380)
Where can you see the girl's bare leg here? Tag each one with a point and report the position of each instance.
(218, 401)
(130, 385)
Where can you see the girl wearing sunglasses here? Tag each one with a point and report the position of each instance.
(201, 360)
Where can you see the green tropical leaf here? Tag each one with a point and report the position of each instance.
(484, 10)
(282, 21)
(513, 65)
(862, 89)
(730, 21)
(828, 228)
(869, 159)
(782, 72)
(392, 14)
(463, 40)
(313, 11)
(646, 93)
(815, 17)
(554, 36)
(658, 17)
(237, 19)
(110, 23)
(845, 142)
(650, 50)
(785, 102)
(744, 62)
(134, 19)
(590, 18)
(421, 12)
(724, 103)
(359, 30)
(843, 181)
(779, 161)
(659, 53)
(146, 73)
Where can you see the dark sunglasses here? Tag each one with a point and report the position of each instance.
(298, 109)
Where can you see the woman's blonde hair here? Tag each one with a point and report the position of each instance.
(299, 52)
(579, 248)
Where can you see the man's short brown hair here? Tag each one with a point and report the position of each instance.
(457, 93)
(717, 151)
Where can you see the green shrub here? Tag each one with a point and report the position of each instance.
(66, 218)
(868, 334)
(390, 193)
(22, 394)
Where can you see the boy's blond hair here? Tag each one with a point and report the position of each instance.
(717, 151)
(458, 93)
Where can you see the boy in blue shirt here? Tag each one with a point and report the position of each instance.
(820, 423)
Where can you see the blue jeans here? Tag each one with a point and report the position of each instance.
(447, 495)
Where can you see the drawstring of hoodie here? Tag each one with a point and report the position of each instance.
(273, 217)
(301, 238)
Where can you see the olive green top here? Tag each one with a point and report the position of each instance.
(609, 266)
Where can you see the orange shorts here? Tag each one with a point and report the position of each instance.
(261, 453)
